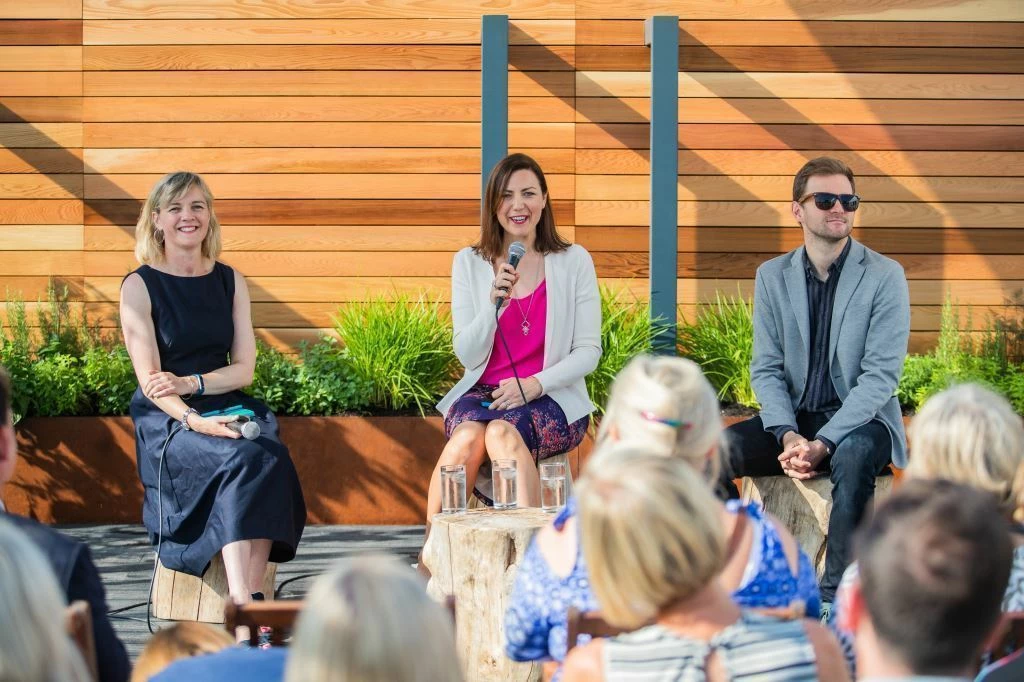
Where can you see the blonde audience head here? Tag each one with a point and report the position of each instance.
(181, 640)
(149, 241)
(370, 620)
(970, 435)
(34, 646)
(666, 405)
(652, 531)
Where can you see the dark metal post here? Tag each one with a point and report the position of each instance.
(493, 93)
(661, 34)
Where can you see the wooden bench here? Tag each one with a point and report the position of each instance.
(803, 507)
(180, 596)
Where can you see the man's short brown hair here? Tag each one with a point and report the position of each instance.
(823, 165)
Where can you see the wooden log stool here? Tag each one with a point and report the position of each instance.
(803, 507)
(474, 556)
(180, 596)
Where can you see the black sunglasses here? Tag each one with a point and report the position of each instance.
(826, 200)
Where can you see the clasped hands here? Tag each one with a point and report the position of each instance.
(507, 396)
(800, 457)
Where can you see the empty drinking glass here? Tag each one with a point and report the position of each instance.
(503, 476)
(453, 488)
(552, 486)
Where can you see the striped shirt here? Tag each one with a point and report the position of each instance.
(755, 647)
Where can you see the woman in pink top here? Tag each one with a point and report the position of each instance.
(549, 312)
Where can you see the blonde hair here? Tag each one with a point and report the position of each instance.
(970, 435)
(181, 640)
(34, 646)
(370, 620)
(652, 532)
(667, 405)
(171, 187)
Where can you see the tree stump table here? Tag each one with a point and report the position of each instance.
(180, 596)
(474, 556)
(803, 507)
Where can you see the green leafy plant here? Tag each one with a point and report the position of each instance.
(401, 349)
(327, 382)
(721, 341)
(61, 330)
(58, 386)
(275, 377)
(626, 331)
(16, 356)
(110, 379)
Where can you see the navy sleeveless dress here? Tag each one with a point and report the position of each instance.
(215, 490)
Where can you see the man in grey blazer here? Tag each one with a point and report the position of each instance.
(831, 323)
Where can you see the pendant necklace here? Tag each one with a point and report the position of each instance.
(525, 326)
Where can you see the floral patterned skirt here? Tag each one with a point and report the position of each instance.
(548, 435)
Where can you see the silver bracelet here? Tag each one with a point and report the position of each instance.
(184, 418)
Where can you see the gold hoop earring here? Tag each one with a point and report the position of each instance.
(158, 235)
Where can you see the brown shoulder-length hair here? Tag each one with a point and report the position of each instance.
(491, 244)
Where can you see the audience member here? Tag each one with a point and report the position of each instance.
(34, 646)
(370, 620)
(934, 563)
(665, 406)
(70, 560)
(181, 640)
(654, 542)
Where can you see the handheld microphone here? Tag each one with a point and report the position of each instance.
(516, 251)
(245, 427)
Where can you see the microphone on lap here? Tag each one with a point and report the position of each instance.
(245, 427)
(516, 251)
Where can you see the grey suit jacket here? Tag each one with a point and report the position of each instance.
(867, 343)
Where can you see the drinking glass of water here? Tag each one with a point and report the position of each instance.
(503, 476)
(453, 488)
(552, 487)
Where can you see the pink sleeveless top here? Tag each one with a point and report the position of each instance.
(527, 313)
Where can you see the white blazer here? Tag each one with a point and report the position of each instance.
(572, 338)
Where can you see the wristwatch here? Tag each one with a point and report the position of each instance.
(184, 418)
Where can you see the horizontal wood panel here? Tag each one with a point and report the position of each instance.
(318, 32)
(438, 264)
(39, 186)
(314, 186)
(745, 239)
(817, 111)
(859, 59)
(307, 160)
(778, 214)
(40, 32)
(40, 109)
(323, 9)
(780, 162)
(41, 9)
(27, 84)
(780, 188)
(21, 160)
(42, 238)
(804, 10)
(321, 315)
(40, 212)
(690, 290)
(41, 134)
(376, 109)
(415, 238)
(43, 58)
(394, 134)
(315, 212)
(822, 85)
(732, 265)
(785, 136)
(802, 32)
(302, 83)
(309, 57)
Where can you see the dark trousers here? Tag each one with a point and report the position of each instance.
(859, 457)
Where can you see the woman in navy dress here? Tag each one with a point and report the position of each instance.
(187, 325)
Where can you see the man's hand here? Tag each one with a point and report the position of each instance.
(793, 445)
(804, 464)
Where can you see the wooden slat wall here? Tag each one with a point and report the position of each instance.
(342, 138)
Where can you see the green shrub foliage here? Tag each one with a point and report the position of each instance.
(625, 333)
(721, 341)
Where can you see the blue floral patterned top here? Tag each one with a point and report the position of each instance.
(535, 623)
